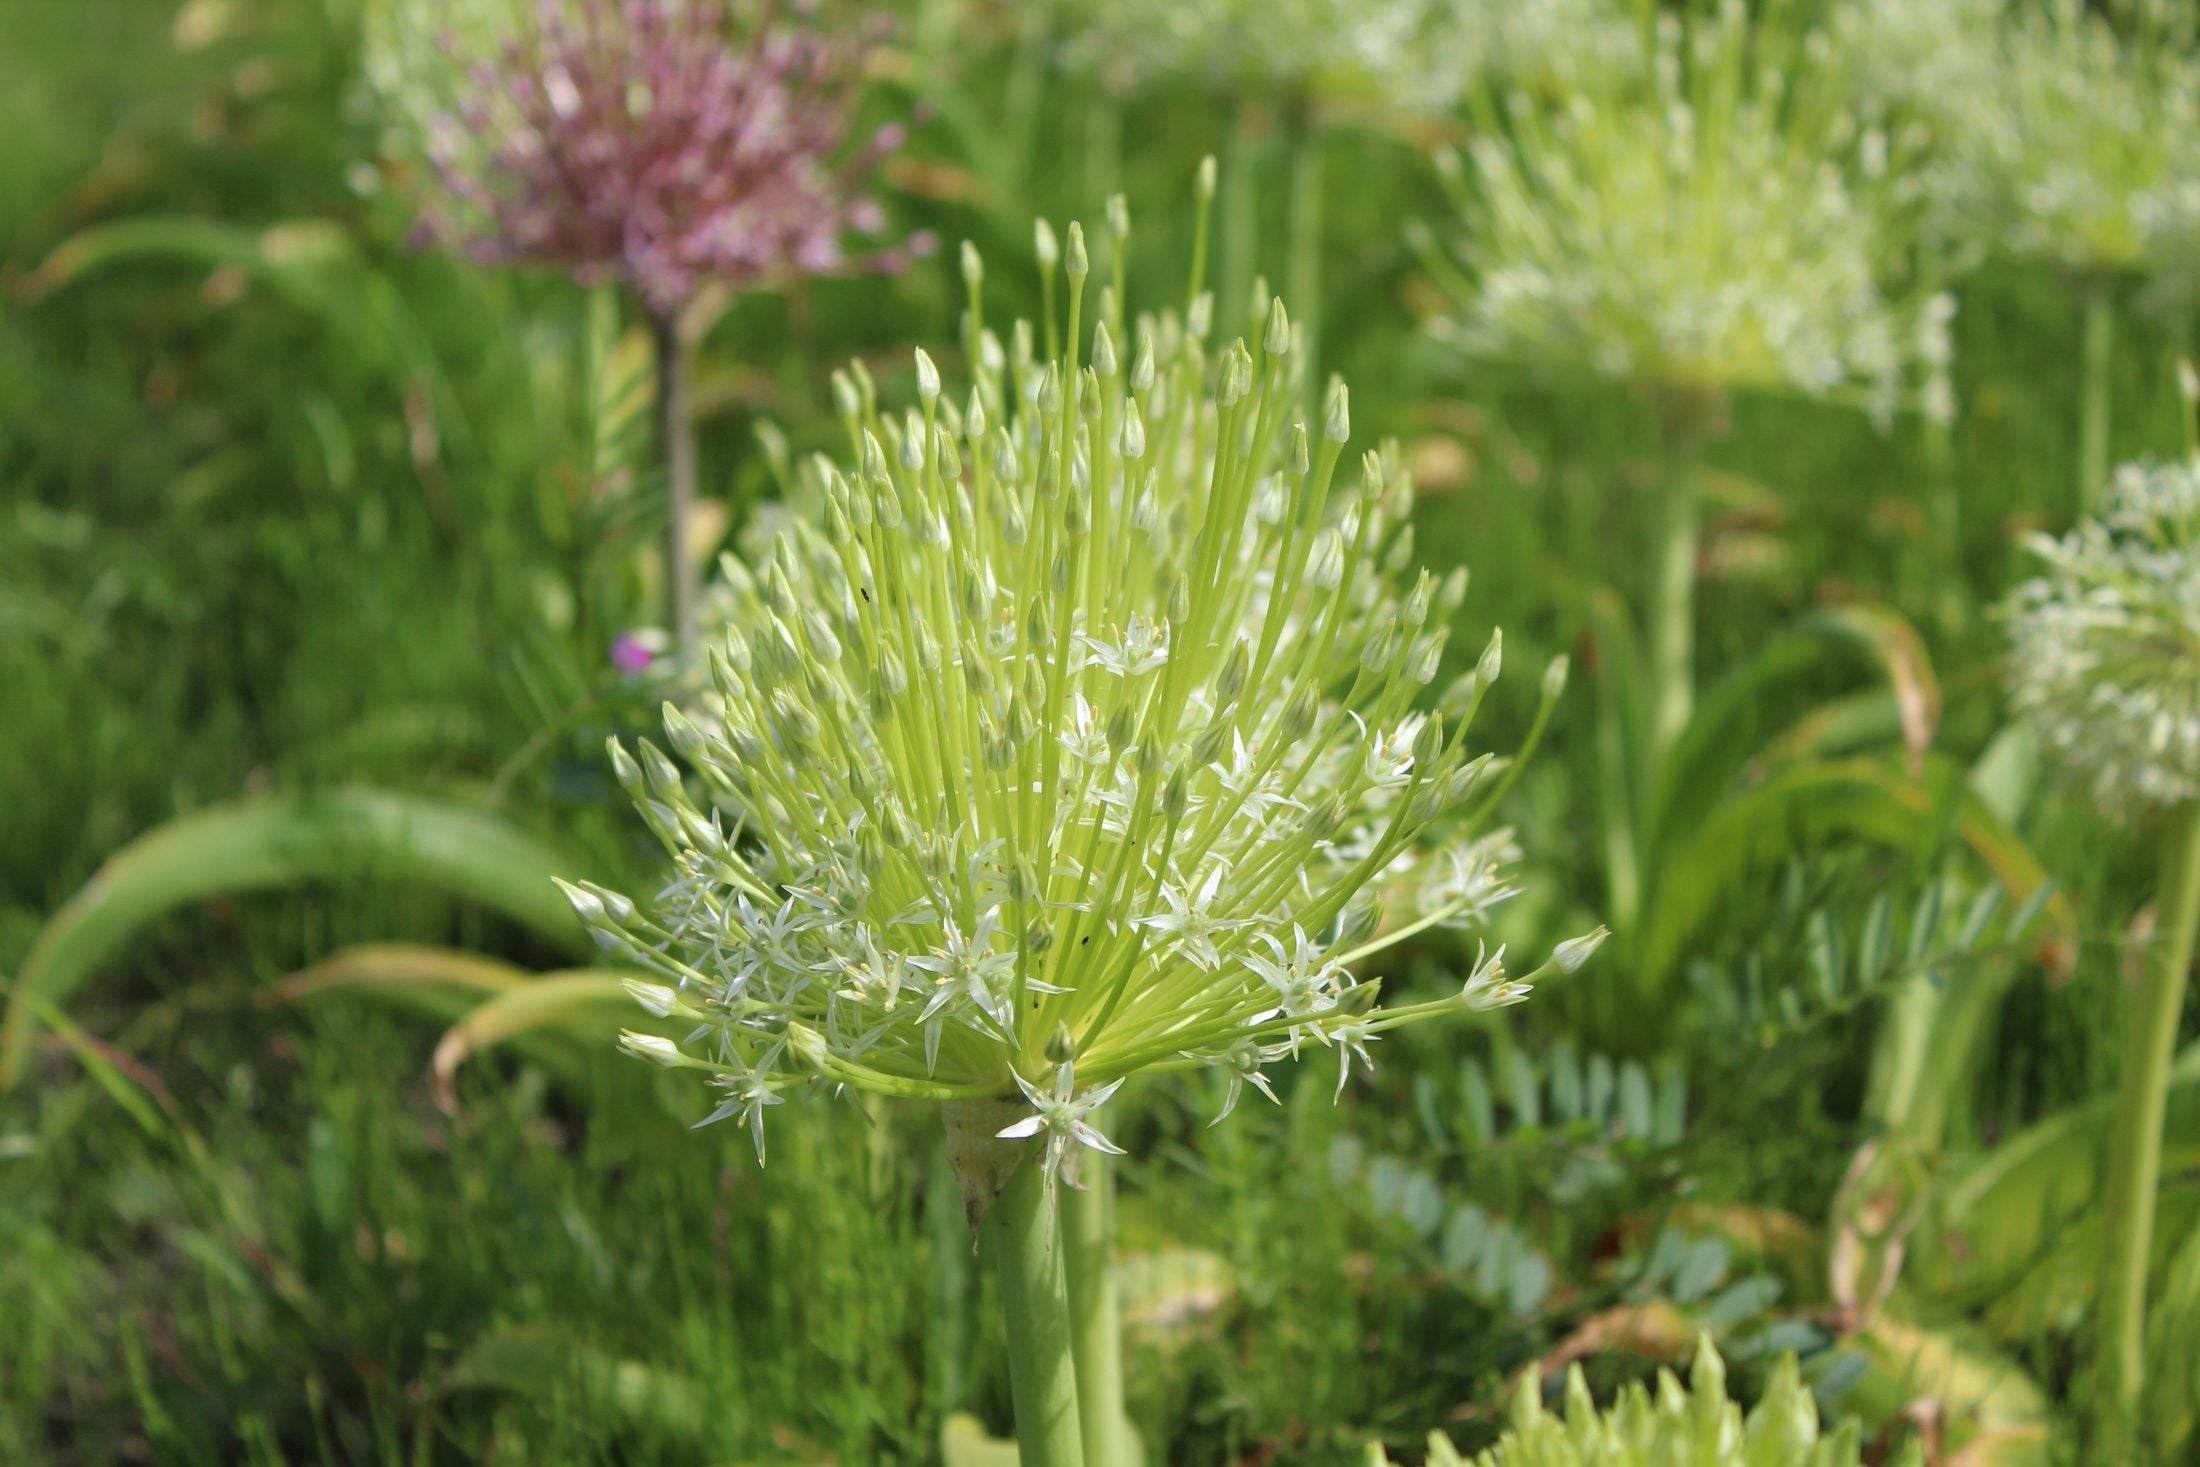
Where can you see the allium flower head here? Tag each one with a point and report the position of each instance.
(2082, 143)
(2105, 654)
(1072, 740)
(1707, 222)
(1418, 56)
(633, 140)
(1920, 73)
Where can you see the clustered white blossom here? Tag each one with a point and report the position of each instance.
(2105, 654)
(2080, 138)
(1710, 221)
(1414, 56)
(1920, 74)
(1073, 738)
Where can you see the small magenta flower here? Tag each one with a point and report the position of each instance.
(639, 141)
(632, 652)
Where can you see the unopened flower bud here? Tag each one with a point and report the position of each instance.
(1231, 680)
(585, 904)
(1358, 1001)
(686, 738)
(624, 769)
(1428, 744)
(1493, 658)
(655, 1048)
(1569, 955)
(655, 997)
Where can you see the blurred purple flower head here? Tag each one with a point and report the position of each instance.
(640, 141)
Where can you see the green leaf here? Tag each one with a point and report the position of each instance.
(589, 1005)
(2012, 1224)
(280, 841)
(1853, 799)
(2172, 1405)
(965, 1443)
(1480, 1105)
(538, 1363)
(1986, 1399)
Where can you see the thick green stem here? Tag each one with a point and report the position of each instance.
(1103, 148)
(1622, 862)
(1303, 295)
(1022, 1243)
(1096, 1325)
(1671, 633)
(2135, 1142)
(1026, 92)
(2099, 324)
(676, 443)
(951, 1328)
(1240, 223)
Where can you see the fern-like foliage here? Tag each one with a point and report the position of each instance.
(1829, 952)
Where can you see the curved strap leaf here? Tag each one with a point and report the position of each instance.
(279, 841)
(2016, 1208)
(562, 1001)
(1729, 730)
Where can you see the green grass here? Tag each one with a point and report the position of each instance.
(282, 521)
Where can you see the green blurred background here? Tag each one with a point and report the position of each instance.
(286, 505)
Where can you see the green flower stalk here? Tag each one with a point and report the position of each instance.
(1697, 1425)
(2076, 150)
(1076, 743)
(658, 144)
(2105, 666)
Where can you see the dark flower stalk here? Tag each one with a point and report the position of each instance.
(640, 142)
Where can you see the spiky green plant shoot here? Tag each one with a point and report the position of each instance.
(1672, 1424)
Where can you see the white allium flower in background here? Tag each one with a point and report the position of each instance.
(2085, 132)
(1712, 221)
(2105, 648)
(1070, 740)
(1413, 56)
(1920, 74)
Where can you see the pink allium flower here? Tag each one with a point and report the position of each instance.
(638, 141)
